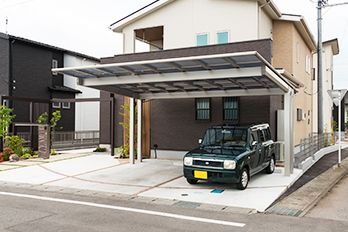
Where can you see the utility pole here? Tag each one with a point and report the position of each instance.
(321, 4)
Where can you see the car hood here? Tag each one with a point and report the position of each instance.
(216, 151)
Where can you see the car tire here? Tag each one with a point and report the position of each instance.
(191, 181)
(271, 166)
(243, 179)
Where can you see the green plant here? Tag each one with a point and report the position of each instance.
(26, 156)
(43, 119)
(7, 153)
(5, 119)
(119, 149)
(53, 152)
(100, 149)
(15, 143)
(335, 126)
(125, 113)
(27, 151)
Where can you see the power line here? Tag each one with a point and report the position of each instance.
(16, 4)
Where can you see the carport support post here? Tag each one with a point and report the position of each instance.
(131, 130)
(288, 133)
(140, 131)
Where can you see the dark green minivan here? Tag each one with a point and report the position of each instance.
(231, 154)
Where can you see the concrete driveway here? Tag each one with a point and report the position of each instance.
(153, 178)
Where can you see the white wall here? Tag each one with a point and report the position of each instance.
(86, 113)
(184, 19)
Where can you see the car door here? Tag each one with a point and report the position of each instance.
(255, 153)
(262, 148)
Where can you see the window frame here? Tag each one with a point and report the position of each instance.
(56, 106)
(66, 107)
(202, 109)
(222, 32)
(234, 121)
(54, 65)
(202, 34)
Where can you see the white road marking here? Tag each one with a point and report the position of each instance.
(127, 209)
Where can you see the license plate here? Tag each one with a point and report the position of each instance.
(201, 174)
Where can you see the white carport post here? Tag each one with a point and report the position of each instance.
(288, 133)
(140, 131)
(131, 130)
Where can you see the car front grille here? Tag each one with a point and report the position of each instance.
(217, 164)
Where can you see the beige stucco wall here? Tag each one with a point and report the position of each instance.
(286, 37)
(184, 19)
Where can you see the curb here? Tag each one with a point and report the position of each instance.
(302, 200)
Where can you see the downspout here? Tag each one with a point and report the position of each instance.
(259, 18)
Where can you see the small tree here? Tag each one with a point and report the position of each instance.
(126, 107)
(5, 120)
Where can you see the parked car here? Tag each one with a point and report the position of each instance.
(231, 154)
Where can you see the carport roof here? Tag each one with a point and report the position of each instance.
(229, 74)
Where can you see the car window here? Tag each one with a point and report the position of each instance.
(253, 137)
(262, 136)
(225, 137)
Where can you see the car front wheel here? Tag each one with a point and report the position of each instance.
(271, 165)
(243, 179)
(192, 181)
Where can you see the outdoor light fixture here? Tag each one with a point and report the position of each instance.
(337, 95)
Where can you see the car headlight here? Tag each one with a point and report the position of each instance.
(188, 161)
(229, 164)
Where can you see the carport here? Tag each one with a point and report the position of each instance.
(218, 75)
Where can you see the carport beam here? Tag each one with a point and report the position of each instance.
(131, 130)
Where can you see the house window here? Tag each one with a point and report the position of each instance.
(66, 105)
(203, 110)
(56, 104)
(308, 64)
(222, 37)
(230, 109)
(202, 40)
(54, 65)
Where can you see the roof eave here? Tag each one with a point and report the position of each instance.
(334, 45)
(120, 24)
(302, 25)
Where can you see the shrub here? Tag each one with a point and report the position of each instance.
(100, 149)
(26, 156)
(15, 143)
(6, 154)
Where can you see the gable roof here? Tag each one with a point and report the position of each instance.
(334, 45)
(269, 5)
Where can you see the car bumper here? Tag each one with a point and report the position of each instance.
(214, 175)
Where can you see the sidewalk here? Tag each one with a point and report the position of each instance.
(312, 186)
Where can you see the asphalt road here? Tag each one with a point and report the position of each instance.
(32, 210)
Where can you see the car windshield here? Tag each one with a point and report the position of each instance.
(225, 137)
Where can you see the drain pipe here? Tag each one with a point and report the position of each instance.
(259, 18)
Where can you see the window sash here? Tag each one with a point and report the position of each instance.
(202, 40)
(230, 110)
(222, 37)
(203, 110)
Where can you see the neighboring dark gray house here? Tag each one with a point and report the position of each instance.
(25, 71)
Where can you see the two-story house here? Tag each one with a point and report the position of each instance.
(209, 62)
(25, 72)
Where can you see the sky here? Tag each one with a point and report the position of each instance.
(83, 25)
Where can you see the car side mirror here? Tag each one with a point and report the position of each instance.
(253, 144)
(199, 141)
